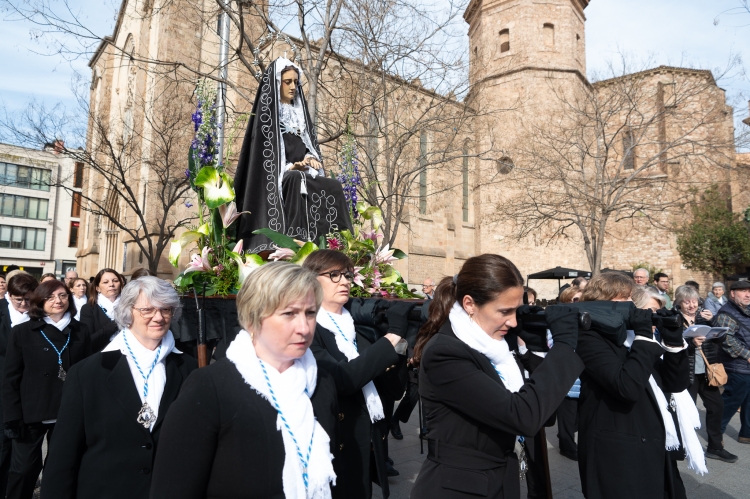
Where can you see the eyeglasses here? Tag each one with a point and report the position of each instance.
(150, 312)
(19, 301)
(61, 297)
(335, 275)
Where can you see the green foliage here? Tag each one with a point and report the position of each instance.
(715, 240)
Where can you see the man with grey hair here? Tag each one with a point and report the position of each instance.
(70, 277)
(640, 276)
(428, 288)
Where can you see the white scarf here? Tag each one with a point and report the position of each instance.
(107, 306)
(687, 415)
(80, 302)
(342, 327)
(16, 317)
(145, 357)
(291, 389)
(63, 322)
(496, 351)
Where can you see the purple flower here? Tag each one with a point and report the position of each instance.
(188, 204)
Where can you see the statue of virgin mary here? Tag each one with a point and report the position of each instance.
(280, 178)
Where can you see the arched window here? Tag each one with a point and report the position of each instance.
(423, 172)
(628, 150)
(549, 36)
(504, 40)
(465, 181)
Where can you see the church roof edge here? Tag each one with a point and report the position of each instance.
(109, 38)
(659, 69)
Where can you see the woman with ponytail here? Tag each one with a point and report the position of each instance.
(477, 404)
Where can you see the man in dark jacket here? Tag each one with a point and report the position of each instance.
(735, 355)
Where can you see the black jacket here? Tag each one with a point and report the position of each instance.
(4, 336)
(31, 389)
(352, 463)
(100, 326)
(710, 348)
(473, 420)
(98, 448)
(220, 438)
(621, 433)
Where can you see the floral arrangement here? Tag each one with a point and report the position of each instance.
(219, 265)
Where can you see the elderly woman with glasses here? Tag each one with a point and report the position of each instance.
(115, 401)
(40, 353)
(359, 369)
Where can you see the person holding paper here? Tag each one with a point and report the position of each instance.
(686, 301)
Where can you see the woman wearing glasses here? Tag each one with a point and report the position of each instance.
(355, 364)
(99, 313)
(115, 401)
(40, 353)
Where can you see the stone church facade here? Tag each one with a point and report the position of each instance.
(523, 54)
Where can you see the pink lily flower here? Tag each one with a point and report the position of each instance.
(371, 235)
(238, 247)
(200, 263)
(358, 277)
(228, 213)
(385, 255)
(281, 254)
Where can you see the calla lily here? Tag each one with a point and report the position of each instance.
(200, 263)
(251, 263)
(281, 254)
(385, 255)
(229, 213)
(175, 249)
(217, 187)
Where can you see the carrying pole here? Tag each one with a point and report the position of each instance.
(202, 351)
(545, 460)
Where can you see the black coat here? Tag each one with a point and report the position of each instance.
(31, 387)
(710, 348)
(4, 336)
(220, 438)
(473, 420)
(98, 448)
(100, 326)
(352, 463)
(621, 433)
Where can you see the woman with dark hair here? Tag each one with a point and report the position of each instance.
(14, 310)
(358, 365)
(47, 277)
(476, 403)
(631, 413)
(281, 159)
(115, 401)
(40, 353)
(142, 272)
(99, 313)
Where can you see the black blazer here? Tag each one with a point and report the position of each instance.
(358, 435)
(31, 389)
(100, 326)
(220, 438)
(621, 434)
(4, 335)
(473, 420)
(98, 448)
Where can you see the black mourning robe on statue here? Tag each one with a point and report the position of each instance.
(291, 202)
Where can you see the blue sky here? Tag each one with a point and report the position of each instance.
(695, 33)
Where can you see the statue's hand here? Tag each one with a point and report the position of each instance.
(314, 163)
(300, 166)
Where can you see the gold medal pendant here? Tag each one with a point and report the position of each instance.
(146, 416)
(61, 373)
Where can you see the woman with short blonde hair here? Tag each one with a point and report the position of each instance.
(259, 423)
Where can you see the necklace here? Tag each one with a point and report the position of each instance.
(60, 372)
(341, 332)
(146, 414)
(304, 461)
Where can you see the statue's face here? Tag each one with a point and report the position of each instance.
(289, 82)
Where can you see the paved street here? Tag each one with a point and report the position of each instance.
(723, 481)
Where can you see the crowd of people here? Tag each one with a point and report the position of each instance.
(301, 402)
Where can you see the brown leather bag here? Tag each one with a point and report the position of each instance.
(715, 373)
